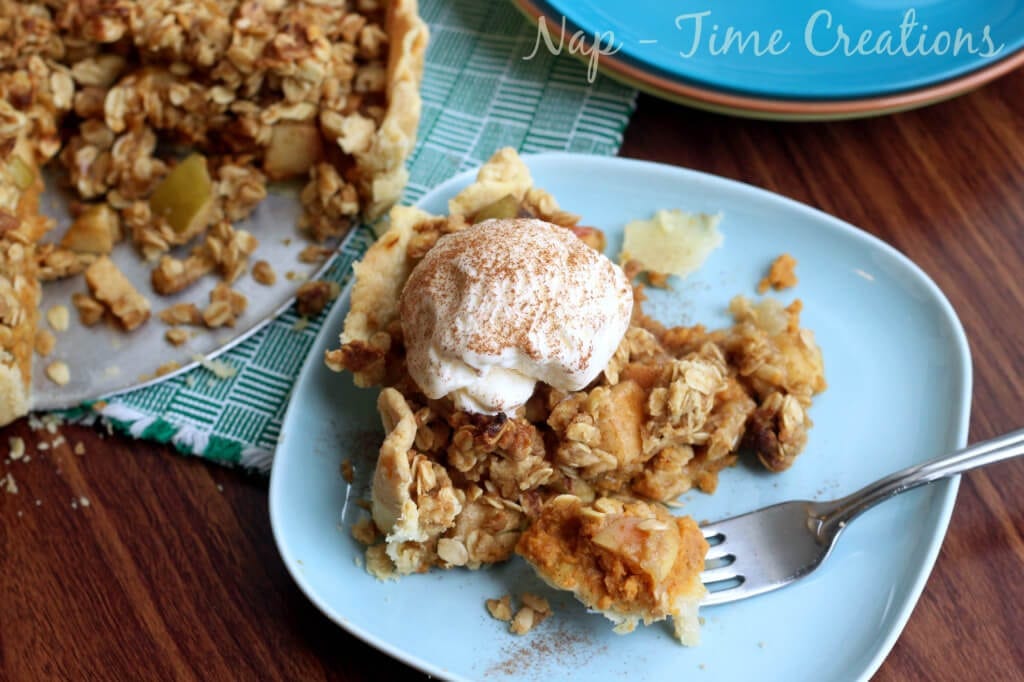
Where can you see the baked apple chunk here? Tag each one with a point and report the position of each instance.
(630, 560)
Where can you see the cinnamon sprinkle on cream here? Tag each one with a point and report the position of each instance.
(494, 308)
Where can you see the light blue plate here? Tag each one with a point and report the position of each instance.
(960, 36)
(899, 377)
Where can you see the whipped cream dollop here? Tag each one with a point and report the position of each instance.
(495, 308)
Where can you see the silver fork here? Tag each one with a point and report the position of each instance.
(764, 550)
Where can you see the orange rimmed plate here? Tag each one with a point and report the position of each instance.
(754, 101)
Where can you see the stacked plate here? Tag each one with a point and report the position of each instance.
(796, 59)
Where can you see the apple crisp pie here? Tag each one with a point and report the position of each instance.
(574, 481)
(113, 91)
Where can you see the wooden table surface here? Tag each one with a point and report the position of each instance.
(170, 571)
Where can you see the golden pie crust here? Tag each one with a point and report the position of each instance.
(20, 227)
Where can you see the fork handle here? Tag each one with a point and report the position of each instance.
(847, 508)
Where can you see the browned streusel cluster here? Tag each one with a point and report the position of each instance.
(534, 611)
(672, 408)
(258, 90)
(224, 249)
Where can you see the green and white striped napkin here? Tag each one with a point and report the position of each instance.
(479, 94)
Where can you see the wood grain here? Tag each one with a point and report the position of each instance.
(171, 572)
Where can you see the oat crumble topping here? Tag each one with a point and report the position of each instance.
(313, 297)
(314, 254)
(500, 609)
(781, 275)
(117, 294)
(115, 91)
(45, 342)
(264, 273)
(524, 621)
(219, 368)
(167, 368)
(58, 318)
(176, 336)
(90, 311)
(16, 447)
(182, 313)
(58, 372)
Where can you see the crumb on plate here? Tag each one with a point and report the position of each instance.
(781, 275)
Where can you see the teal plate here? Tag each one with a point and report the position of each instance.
(899, 375)
(823, 49)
